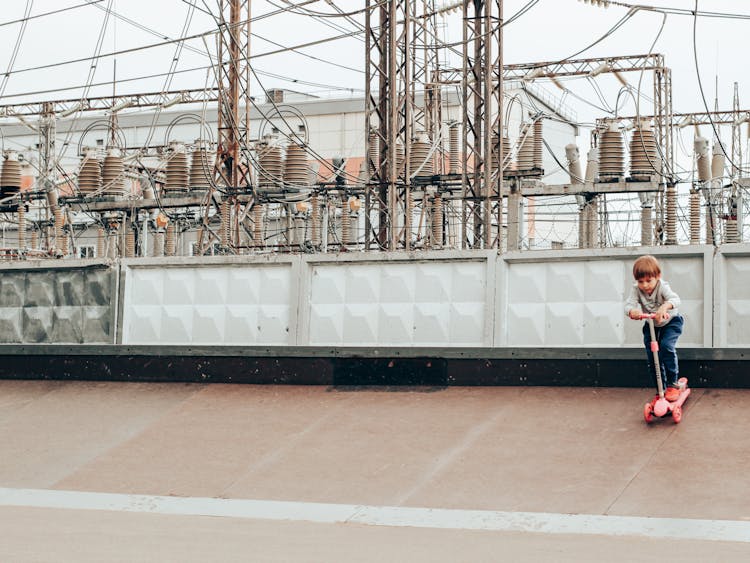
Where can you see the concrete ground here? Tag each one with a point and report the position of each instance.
(505, 450)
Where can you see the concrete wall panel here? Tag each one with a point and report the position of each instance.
(398, 302)
(577, 298)
(732, 297)
(208, 302)
(54, 302)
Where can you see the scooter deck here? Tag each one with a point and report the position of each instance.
(674, 408)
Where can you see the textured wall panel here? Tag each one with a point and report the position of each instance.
(736, 291)
(60, 306)
(208, 304)
(577, 302)
(398, 303)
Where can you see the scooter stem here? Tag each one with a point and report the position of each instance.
(655, 354)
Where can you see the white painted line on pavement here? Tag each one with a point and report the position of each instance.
(394, 516)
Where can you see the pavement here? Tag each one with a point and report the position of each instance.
(106, 471)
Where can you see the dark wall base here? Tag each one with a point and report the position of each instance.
(378, 368)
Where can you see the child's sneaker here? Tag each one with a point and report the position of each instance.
(672, 394)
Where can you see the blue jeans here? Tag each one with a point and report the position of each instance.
(666, 336)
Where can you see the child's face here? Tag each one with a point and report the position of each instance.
(647, 284)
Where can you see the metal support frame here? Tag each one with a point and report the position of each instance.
(389, 113)
(233, 77)
(482, 116)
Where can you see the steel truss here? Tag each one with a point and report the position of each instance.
(482, 123)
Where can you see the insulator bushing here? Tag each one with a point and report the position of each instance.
(270, 164)
(454, 149)
(177, 176)
(538, 142)
(10, 177)
(644, 155)
(695, 217)
(525, 152)
(113, 175)
(90, 175)
(296, 167)
(420, 159)
(611, 155)
(201, 169)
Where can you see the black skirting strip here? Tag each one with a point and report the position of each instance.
(381, 371)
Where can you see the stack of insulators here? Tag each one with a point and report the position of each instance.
(538, 142)
(225, 230)
(373, 152)
(177, 171)
(525, 159)
(61, 241)
(296, 167)
(21, 226)
(437, 221)
(258, 224)
(671, 202)
(400, 159)
(611, 155)
(345, 224)
(170, 244)
(420, 161)
(130, 243)
(113, 175)
(90, 175)
(315, 220)
(10, 178)
(454, 149)
(271, 167)
(695, 217)
(643, 153)
(201, 169)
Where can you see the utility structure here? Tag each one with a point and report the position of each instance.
(388, 115)
(482, 87)
(232, 172)
(666, 192)
(396, 32)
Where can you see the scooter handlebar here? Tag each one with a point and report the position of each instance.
(647, 316)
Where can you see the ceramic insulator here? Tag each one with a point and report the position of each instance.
(89, 174)
(454, 149)
(671, 212)
(437, 221)
(10, 177)
(170, 244)
(695, 217)
(611, 154)
(21, 226)
(113, 175)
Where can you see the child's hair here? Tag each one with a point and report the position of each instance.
(646, 266)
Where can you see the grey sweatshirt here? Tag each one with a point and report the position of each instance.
(650, 303)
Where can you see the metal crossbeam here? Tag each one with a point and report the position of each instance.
(106, 103)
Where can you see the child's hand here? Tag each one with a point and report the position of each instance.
(662, 313)
(635, 314)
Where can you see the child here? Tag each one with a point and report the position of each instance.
(651, 294)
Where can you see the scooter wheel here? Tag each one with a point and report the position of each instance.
(648, 412)
(677, 414)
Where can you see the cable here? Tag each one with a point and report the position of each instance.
(19, 38)
(700, 87)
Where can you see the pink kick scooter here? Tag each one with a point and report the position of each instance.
(659, 405)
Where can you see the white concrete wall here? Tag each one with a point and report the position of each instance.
(452, 299)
